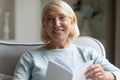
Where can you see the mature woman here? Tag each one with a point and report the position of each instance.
(59, 24)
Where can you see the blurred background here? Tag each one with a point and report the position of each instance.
(20, 21)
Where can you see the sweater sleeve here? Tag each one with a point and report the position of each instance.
(23, 68)
(98, 59)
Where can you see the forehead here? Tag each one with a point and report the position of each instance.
(52, 11)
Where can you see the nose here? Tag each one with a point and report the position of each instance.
(57, 22)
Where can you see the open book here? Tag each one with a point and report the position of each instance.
(58, 70)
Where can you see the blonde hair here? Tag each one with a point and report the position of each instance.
(63, 7)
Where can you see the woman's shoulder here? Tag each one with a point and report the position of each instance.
(87, 51)
(84, 48)
(34, 52)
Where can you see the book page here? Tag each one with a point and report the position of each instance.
(63, 64)
(57, 72)
(80, 71)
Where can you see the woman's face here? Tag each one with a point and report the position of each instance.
(57, 25)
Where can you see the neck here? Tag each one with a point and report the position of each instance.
(57, 45)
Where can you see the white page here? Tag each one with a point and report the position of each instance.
(80, 71)
(62, 63)
(56, 72)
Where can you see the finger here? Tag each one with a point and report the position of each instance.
(98, 71)
(93, 67)
(95, 78)
(94, 70)
(90, 68)
(99, 78)
(98, 74)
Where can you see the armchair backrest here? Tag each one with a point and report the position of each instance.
(10, 52)
(90, 42)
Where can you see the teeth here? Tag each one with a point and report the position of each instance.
(58, 30)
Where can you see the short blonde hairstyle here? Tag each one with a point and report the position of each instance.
(63, 7)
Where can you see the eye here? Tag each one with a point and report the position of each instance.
(49, 19)
(62, 18)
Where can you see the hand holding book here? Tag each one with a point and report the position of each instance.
(98, 71)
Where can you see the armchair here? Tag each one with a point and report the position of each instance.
(10, 52)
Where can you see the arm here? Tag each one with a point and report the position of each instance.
(23, 68)
(102, 67)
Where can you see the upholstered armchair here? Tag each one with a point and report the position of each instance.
(10, 52)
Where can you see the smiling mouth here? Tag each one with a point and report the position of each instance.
(58, 31)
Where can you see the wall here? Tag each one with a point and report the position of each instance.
(27, 20)
(117, 46)
(26, 16)
(109, 13)
(6, 19)
(70, 2)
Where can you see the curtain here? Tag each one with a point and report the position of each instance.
(117, 34)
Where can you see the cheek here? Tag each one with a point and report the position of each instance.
(47, 25)
(48, 29)
(69, 22)
(44, 23)
(69, 25)
(69, 28)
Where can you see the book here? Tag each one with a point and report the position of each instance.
(59, 70)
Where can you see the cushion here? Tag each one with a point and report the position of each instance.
(5, 77)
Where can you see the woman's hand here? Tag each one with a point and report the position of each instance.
(96, 72)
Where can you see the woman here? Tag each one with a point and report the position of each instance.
(59, 24)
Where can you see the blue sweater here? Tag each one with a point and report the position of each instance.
(33, 64)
